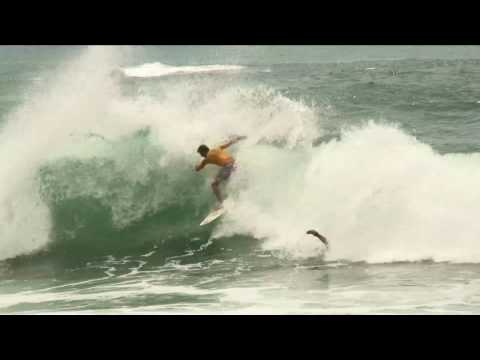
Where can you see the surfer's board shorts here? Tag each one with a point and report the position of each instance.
(225, 172)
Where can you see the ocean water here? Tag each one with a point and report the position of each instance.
(375, 147)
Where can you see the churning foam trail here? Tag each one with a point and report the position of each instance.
(158, 69)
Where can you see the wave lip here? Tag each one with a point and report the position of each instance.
(158, 69)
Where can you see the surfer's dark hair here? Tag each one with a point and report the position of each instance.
(203, 150)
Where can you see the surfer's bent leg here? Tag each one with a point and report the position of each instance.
(216, 190)
(222, 176)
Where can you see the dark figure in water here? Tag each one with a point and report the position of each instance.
(320, 237)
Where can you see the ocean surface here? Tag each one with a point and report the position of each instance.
(375, 147)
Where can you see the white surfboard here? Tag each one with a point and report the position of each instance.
(212, 216)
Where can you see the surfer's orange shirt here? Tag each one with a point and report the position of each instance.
(219, 157)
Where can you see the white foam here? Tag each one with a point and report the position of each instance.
(35, 131)
(158, 69)
(378, 195)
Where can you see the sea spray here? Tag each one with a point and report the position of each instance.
(32, 133)
(377, 194)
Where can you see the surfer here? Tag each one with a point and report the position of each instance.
(218, 156)
(320, 237)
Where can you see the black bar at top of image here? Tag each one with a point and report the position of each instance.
(332, 23)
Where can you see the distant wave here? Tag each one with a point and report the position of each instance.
(158, 69)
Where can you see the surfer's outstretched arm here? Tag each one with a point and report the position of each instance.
(201, 165)
(231, 142)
